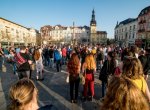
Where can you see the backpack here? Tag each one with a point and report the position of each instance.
(36, 55)
(57, 55)
(117, 72)
(19, 60)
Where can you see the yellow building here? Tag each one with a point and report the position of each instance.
(15, 34)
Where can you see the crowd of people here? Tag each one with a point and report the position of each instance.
(123, 73)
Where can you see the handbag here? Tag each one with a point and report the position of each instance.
(4, 68)
(32, 67)
(67, 79)
(82, 79)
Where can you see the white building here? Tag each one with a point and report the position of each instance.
(15, 34)
(72, 34)
(64, 34)
(126, 32)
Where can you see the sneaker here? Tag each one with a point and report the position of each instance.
(75, 101)
(102, 99)
(91, 98)
(42, 79)
(83, 99)
(72, 101)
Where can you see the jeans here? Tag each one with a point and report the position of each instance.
(58, 65)
(39, 75)
(103, 88)
(76, 84)
(64, 60)
(51, 62)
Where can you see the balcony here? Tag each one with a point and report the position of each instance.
(141, 30)
(142, 22)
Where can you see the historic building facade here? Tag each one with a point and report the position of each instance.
(72, 34)
(15, 34)
(126, 32)
(134, 31)
(143, 31)
(62, 34)
(96, 36)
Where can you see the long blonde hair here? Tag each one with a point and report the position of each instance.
(90, 62)
(132, 68)
(21, 94)
(122, 94)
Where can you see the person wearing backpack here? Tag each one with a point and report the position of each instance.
(23, 62)
(57, 58)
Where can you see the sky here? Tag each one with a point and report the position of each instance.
(37, 13)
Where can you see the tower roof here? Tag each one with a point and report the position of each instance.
(93, 21)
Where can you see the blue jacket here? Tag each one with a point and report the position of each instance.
(57, 55)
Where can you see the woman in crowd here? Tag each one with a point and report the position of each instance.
(73, 67)
(89, 68)
(107, 69)
(39, 64)
(132, 68)
(23, 96)
(122, 94)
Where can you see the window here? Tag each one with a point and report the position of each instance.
(149, 24)
(126, 29)
(133, 27)
(133, 36)
(130, 27)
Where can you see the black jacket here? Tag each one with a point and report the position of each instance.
(147, 66)
(103, 76)
(143, 60)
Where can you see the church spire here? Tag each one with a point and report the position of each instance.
(93, 21)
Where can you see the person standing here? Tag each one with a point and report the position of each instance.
(57, 57)
(64, 55)
(122, 94)
(89, 68)
(39, 64)
(107, 69)
(1, 58)
(24, 96)
(73, 68)
(51, 56)
(132, 68)
(147, 66)
(23, 62)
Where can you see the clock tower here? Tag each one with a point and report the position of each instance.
(93, 28)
